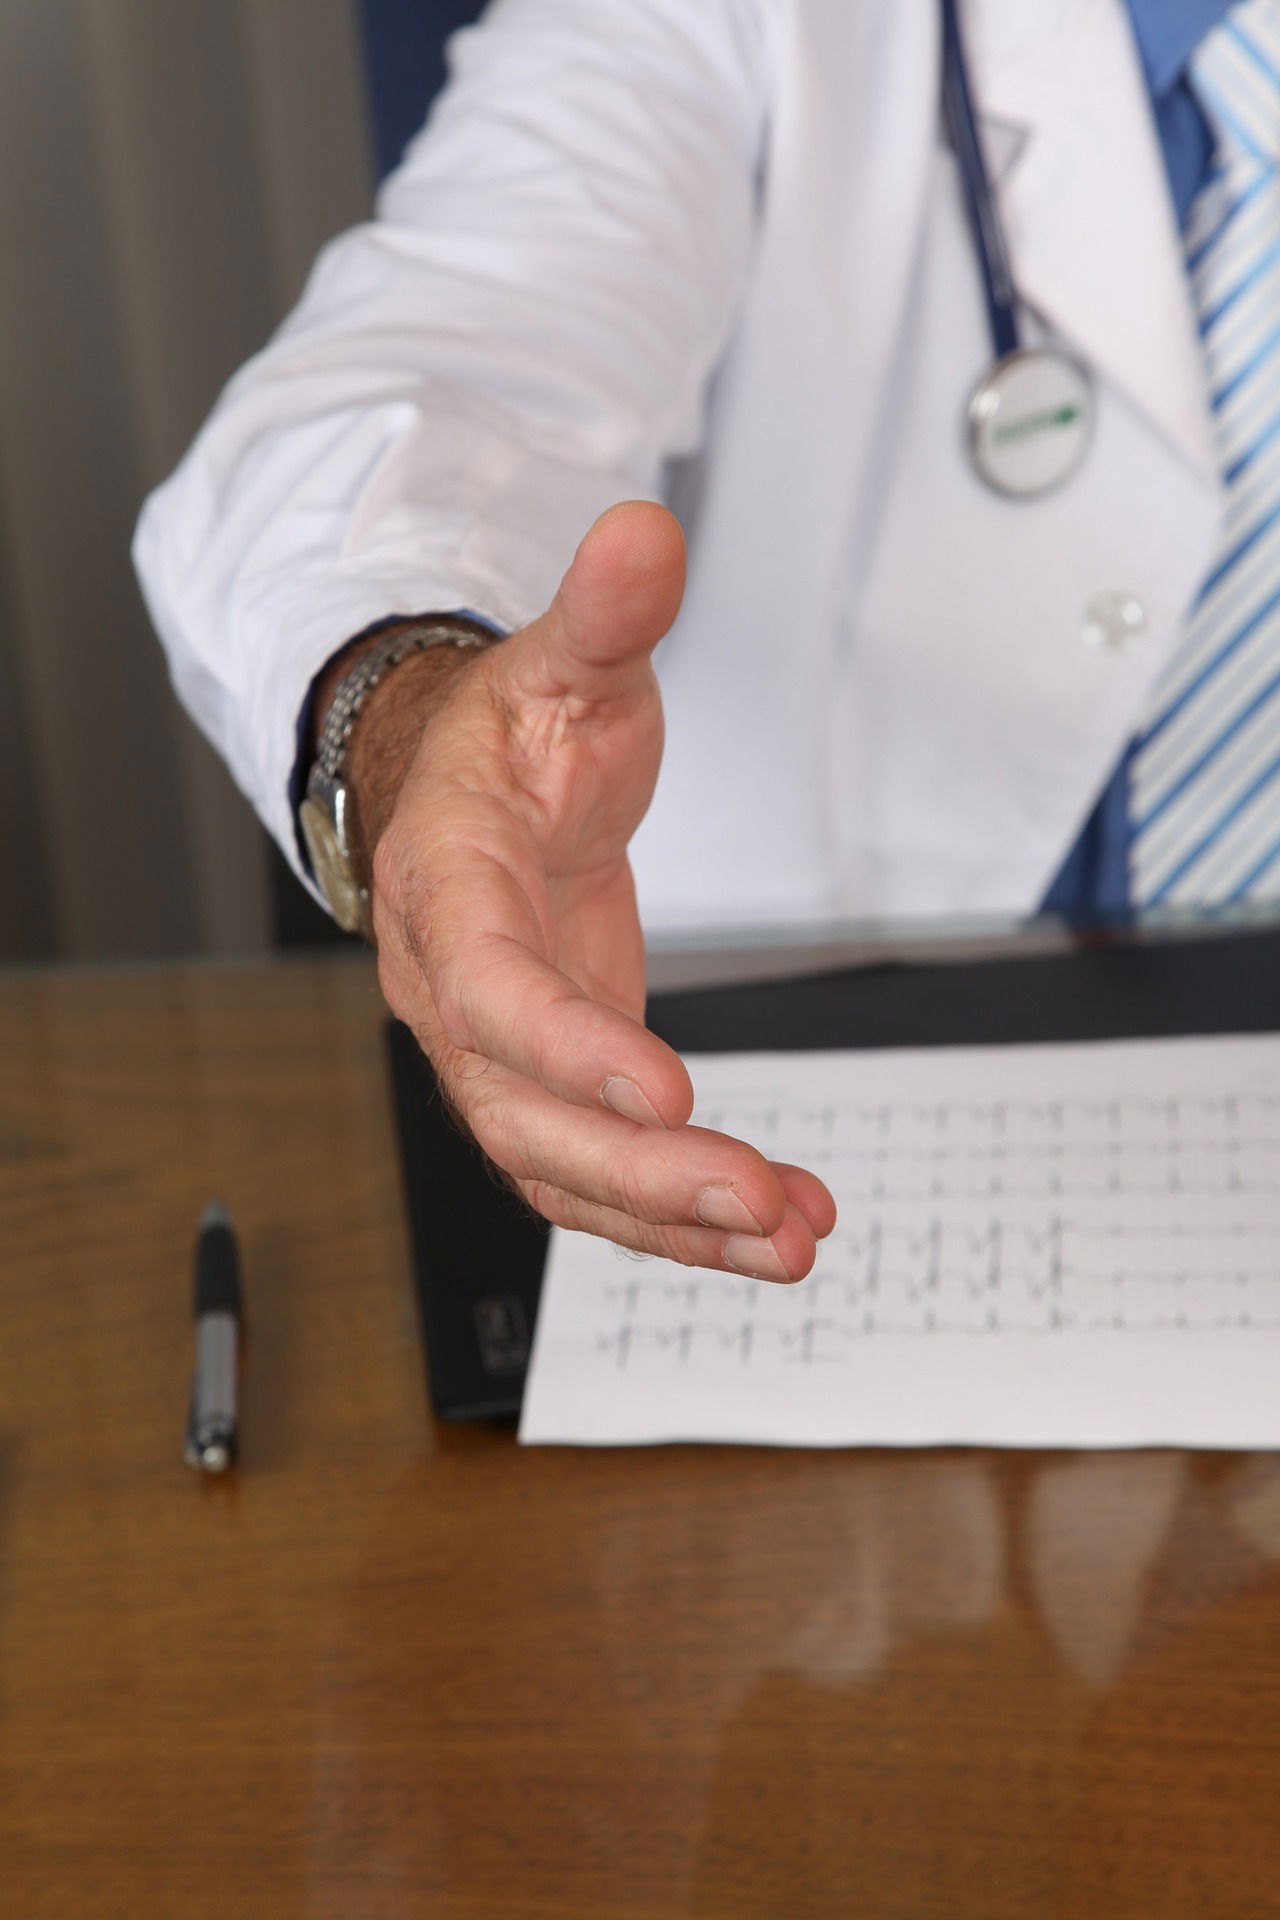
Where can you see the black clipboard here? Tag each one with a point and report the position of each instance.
(477, 1251)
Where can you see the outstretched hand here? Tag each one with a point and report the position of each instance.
(508, 938)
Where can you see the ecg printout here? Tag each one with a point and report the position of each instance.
(1074, 1245)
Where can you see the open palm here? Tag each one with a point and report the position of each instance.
(508, 937)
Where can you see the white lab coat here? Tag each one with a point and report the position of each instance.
(716, 249)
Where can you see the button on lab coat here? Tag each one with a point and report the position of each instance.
(717, 253)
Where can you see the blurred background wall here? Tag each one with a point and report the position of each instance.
(168, 170)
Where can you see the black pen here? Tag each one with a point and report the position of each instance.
(211, 1423)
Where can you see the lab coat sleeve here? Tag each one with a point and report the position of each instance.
(520, 338)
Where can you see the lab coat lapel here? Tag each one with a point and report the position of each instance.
(1092, 233)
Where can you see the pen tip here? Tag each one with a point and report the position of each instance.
(214, 1215)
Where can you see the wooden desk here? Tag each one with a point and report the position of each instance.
(396, 1670)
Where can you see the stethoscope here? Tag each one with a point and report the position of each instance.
(1031, 414)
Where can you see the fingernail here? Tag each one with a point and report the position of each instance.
(722, 1207)
(625, 1097)
(758, 1258)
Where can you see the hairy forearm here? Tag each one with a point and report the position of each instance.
(388, 727)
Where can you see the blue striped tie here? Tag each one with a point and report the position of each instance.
(1206, 773)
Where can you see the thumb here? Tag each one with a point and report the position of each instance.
(618, 599)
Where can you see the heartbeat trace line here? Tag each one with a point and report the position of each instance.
(799, 1343)
(1174, 1109)
(1054, 1274)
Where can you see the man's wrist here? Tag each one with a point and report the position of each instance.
(335, 671)
(369, 707)
(388, 730)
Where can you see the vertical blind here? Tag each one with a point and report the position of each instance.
(168, 170)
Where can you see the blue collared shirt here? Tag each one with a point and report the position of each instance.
(1094, 877)
(1168, 33)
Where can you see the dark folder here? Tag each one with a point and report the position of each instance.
(478, 1252)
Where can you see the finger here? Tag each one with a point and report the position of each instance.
(686, 1177)
(526, 1015)
(785, 1256)
(808, 1195)
(618, 599)
(494, 996)
(579, 1050)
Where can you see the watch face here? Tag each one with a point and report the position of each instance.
(332, 867)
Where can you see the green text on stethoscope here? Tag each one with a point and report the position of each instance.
(1064, 416)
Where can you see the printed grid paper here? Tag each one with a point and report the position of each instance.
(1037, 1246)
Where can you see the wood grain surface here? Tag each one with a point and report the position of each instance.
(392, 1669)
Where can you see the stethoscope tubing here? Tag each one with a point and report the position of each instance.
(984, 219)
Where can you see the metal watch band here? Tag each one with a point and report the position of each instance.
(354, 687)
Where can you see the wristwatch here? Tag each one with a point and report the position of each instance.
(327, 814)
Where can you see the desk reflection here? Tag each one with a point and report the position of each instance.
(763, 1684)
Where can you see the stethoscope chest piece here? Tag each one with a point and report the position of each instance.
(1029, 421)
